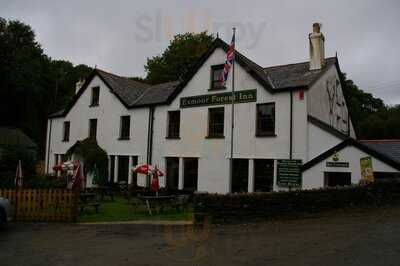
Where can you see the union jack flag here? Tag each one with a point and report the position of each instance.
(230, 56)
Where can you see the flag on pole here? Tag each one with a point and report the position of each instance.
(230, 56)
(18, 175)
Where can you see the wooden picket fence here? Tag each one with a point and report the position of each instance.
(47, 205)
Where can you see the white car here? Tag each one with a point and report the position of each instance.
(5, 210)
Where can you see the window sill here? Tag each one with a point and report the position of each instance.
(123, 138)
(217, 89)
(215, 137)
(266, 135)
(173, 137)
(65, 140)
(93, 105)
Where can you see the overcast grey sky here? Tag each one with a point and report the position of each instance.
(119, 35)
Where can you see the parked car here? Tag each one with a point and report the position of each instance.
(5, 210)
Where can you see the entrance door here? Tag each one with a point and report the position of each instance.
(263, 175)
(334, 179)
(240, 175)
(172, 174)
(123, 168)
(190, 173)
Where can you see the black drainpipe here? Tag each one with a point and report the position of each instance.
(48, 147)
(291, 126)
(150, 141)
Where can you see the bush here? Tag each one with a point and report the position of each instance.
(92, 155)
(247, 207)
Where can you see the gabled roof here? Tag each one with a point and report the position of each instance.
(10, 136)
(389, 147)
(355, 143)
(127, 89)
(133, 94)
(296, 75)
(326, 127)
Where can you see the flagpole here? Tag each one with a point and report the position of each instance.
(232, 113)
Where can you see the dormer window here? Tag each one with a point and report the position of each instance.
(216, 73)
(95, 96)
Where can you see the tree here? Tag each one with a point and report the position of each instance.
(371, 118)
(32, 85)
(180, 56)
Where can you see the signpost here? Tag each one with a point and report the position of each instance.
(243, 96)
(289, 173)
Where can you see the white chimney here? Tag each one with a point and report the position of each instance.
(317, 47)
(78, 85)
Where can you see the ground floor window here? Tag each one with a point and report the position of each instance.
(123, 168)
(172, 172)
(263, 175)
(190, 173)
(334, 179)
(240, 175)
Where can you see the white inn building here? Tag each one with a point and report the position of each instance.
(296, 111)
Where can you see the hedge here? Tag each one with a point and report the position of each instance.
(249, 207)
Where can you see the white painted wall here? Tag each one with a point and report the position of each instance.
(326, 109)
(213, 154)
(320, 141)
(108, 115)
(314, 177)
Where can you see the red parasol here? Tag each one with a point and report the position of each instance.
(78, 178)
(143, 169)
(18, 175)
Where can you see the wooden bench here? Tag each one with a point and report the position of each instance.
(95, 205)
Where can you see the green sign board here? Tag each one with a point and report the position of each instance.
(243, 96)
(289, 173)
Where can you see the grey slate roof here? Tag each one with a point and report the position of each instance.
(15, 137)
(133, 93)
(390, 148)
(128, 90)
(157, 94)
(295, 75)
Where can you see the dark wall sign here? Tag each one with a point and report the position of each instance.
(338, 164)
(243, 96)
(289, 173)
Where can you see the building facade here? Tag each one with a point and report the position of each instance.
(296, 111)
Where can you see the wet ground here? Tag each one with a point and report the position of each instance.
(358, 237)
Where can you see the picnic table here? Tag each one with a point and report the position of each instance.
(88, 199)
(105, 191)
(156, 202)
(87, 196)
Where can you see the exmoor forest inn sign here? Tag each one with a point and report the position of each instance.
(219, 98)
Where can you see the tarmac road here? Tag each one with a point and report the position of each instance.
(358, 237)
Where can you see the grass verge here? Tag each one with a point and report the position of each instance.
(121, 210)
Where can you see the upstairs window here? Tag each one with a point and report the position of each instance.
(216, 73)
(174, 121)
(92, 128)
(95, 96)
(265, 119)
(66, 131)
(125, 126)
(216, 122)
